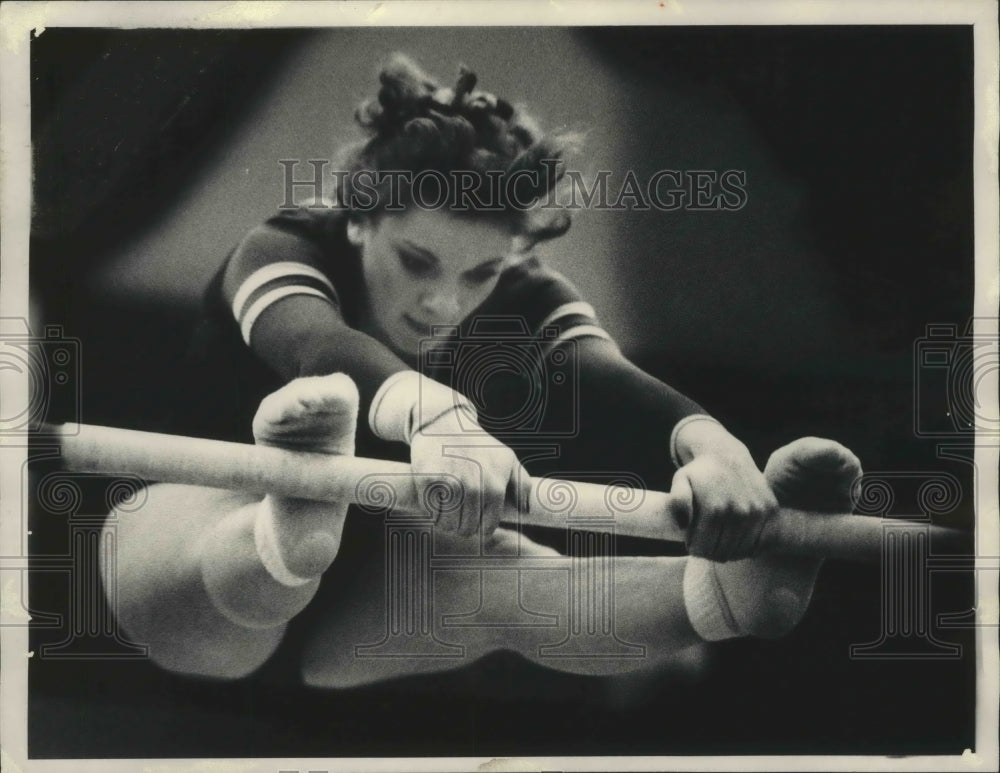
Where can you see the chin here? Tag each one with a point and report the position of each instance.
(406, 342)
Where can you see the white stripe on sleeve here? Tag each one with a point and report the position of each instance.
(581, 308)
(258, 306)
(582, 331)
(577, 331)
(273, 271)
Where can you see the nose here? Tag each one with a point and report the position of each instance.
(443, 305)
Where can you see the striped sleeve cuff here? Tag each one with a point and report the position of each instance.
(273, 282)
(573, 309)
(571, 321)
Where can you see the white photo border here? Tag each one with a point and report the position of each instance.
(20, 18)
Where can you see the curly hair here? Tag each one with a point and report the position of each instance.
(415, 125)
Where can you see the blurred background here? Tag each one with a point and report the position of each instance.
(156, 150)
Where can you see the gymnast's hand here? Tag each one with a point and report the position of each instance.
(466, 477)
(730, 501)
(769, 594)
(766, 596)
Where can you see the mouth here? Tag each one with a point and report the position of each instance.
(417, 328)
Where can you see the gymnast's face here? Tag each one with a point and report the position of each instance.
(427, 267)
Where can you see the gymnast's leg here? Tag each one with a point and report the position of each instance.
(209, 579)
(199, 585)
(663, 606)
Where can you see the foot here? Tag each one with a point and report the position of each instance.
(813, 474)
(769, 595)
(317, 414)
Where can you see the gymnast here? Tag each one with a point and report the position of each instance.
(317, 328)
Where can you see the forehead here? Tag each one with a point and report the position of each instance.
(454, 240)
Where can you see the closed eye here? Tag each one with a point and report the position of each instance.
(484, 273)
(480, 275)
(416, 264)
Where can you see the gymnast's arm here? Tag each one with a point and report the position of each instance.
(290, 315)
(631, 422)
(627, 416)
(289, 312)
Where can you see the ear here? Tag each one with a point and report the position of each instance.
(357, 232)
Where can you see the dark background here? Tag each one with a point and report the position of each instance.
(797, 315)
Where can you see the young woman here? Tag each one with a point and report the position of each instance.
(333, 315)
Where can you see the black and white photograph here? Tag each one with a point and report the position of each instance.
(499, 386)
